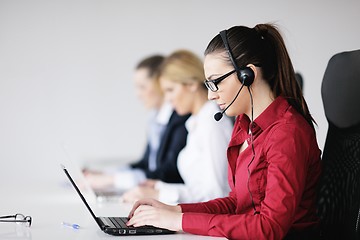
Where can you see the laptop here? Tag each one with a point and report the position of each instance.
(110, 194)
(117, 225)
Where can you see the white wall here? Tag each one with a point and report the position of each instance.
(66, 67)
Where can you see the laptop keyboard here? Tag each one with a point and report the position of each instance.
(119, 222)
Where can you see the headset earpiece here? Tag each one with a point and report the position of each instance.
(246, 76)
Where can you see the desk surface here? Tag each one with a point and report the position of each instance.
(51, 204)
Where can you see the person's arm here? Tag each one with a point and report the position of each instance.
(288, 161)
(226, 205)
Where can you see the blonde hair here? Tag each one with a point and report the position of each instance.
(183, 66)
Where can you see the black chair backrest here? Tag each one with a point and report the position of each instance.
(339, 190)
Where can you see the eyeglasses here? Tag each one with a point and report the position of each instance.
(212, 84)
(18, 218)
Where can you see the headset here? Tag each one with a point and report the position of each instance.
(246, 76)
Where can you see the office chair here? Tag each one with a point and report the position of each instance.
(339, 189)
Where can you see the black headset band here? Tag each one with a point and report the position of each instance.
(245, 75)
(223, 35)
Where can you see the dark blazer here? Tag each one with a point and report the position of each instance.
(172, 142)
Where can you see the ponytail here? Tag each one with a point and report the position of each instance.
(284, 82)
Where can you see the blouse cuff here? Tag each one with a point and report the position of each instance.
(167, 193)
(128, 178)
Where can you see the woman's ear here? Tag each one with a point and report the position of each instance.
(254, 69)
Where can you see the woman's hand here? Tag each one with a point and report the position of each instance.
(98, 180)
(156, 204)
(139, 193)
(154, 213)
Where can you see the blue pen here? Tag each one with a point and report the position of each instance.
(72, 225)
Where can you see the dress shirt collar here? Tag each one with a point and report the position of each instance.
(191, 123)
(272, 113)
(164, 113)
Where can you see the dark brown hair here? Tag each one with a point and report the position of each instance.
(151, 63)
(264, 47)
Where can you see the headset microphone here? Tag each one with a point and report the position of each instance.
(219, 115)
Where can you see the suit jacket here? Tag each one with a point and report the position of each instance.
(172, 142)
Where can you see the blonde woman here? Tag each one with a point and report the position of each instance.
(166, 137)
(202, 162)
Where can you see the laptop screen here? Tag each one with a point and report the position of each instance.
(80, 194)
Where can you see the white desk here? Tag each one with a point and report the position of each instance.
(50, 204)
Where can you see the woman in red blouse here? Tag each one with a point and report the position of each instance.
(273, 156)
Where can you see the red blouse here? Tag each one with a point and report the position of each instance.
(278, 179)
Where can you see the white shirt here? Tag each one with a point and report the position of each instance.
(157, 125)
(203, 161)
